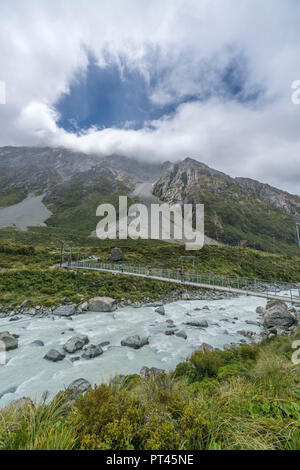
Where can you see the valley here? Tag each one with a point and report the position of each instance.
(161, 339)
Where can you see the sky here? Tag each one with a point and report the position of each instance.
(157, 80)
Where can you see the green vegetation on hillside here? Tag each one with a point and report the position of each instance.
(243, 399)
(74, 205)
(259, 223)
(12, 196)
(32, 271)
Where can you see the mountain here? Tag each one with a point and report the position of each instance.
(237, 210)
(72, 184)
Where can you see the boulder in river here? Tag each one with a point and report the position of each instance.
(102, 304)
(135, 342)
(161, 310)
(252, 322)
(277, 315)
(261, 310)
(91, 351)
(83, 307)
(7, 341)
(169, 332)
(37, 343)
(198, 323)
(146, 372)
(185, 296)
(54, 355)
(181, 334)
(205, 347)
(75, 358)
(65, 311)
(77, 387)
(75, 343)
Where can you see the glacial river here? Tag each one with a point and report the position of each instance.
(31, 374)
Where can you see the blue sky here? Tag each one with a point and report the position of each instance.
(102, 97)
(118, 96)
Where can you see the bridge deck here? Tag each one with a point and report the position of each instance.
(289, 297)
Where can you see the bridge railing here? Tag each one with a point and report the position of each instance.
(232, 282)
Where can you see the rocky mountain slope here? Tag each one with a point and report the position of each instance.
(73, 184)
(238, 210)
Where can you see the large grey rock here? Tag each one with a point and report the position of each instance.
(278, 316)
(198, 323)
(75, 343)
(185, 296)
(92, 351)
(84, 307)
(146, 372)
(246, 333)
(160, 310)
(65, 311)
(261, 310)
(54, 355)
(77, 387)
(7, 341)
(205, 347)
(135, 342)
(181, 334)
(102, 304)
(116, 254)
(37, 343)
(169, 332)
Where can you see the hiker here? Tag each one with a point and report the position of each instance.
(181, 272)
(148, 270)
(122, 267)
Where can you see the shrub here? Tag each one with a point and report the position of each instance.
(108, 417)
(207, 362)
(228, 371)
(187, 370)
(195, 427)
(247, 352)
(161, 433)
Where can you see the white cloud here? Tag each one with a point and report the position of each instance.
(43, 46)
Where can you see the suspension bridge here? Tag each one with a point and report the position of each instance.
(235, 285)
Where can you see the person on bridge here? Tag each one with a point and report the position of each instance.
(122, 267)
(148, 270)
(181, 272)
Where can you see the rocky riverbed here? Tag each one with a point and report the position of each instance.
(50, 350)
